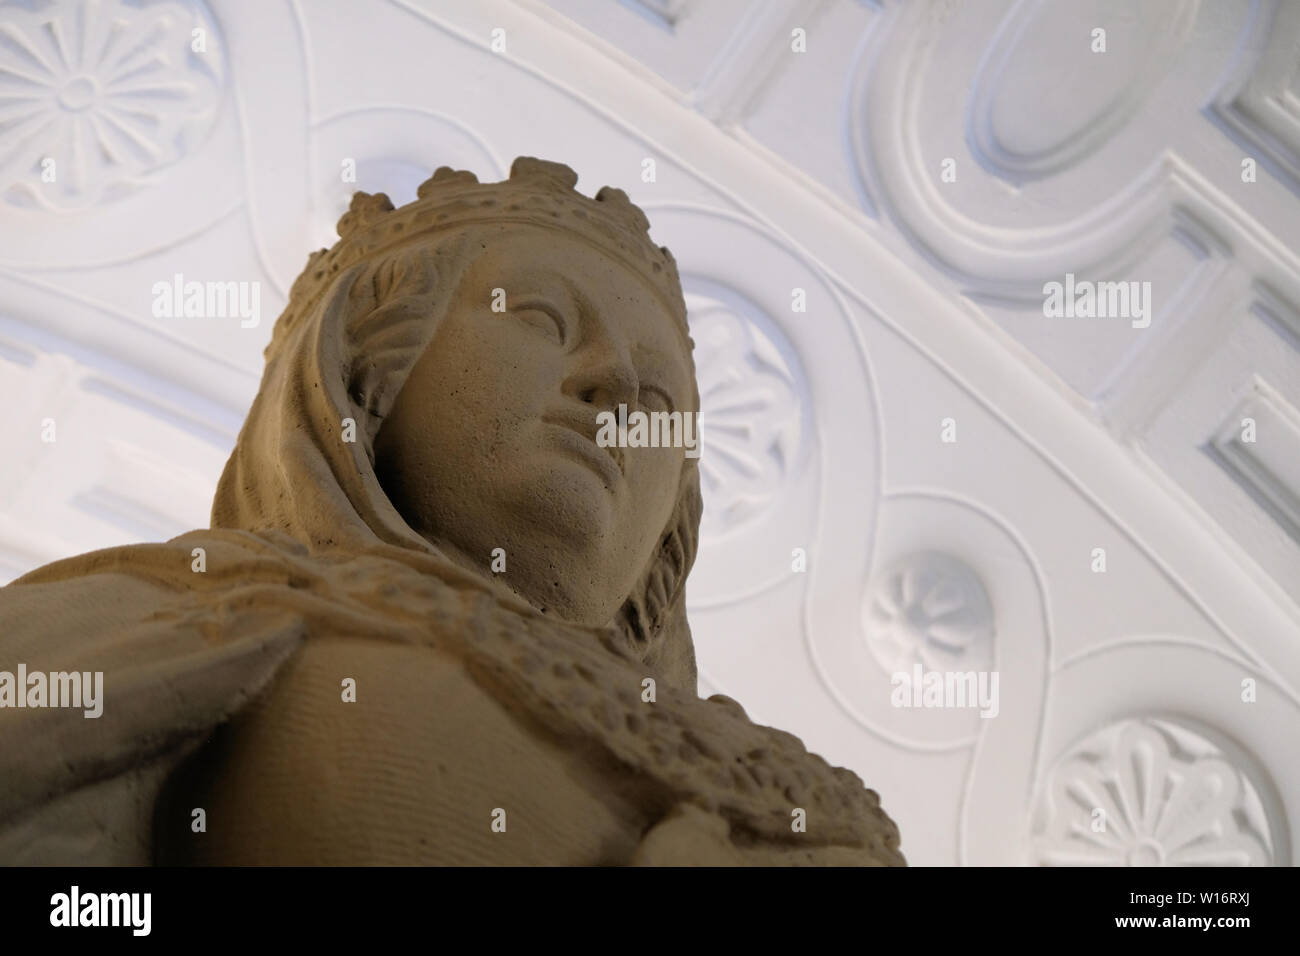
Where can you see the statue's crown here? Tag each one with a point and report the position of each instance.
(537, 192)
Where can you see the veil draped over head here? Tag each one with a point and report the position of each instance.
(305, 542)
(361, 315)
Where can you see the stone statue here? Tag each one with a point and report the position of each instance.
(433, 621)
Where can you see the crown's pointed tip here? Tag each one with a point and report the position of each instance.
(530, 167)
(616, 196)
(363, 209)
(445, 175)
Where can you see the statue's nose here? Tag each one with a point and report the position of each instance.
(603, 378)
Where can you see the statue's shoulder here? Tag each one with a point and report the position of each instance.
(102, 588)
(151, 643)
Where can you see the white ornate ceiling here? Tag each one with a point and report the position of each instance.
(775, 171)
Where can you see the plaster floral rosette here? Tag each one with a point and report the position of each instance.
(1138, 794)
(931, 609)
(97, 96)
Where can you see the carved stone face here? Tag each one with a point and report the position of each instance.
(491, 442)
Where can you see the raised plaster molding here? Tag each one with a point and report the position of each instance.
(108, 92)
(931, 609)
(1151, 792)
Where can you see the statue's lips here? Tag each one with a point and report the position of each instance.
(579, 437)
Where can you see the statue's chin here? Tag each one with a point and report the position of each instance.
(568, 505)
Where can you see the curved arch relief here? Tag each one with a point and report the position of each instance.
(1021, 130)
(952, 562)
(1209, 702)
(1037, 193)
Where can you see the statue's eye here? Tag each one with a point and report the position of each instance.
(545, 318)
